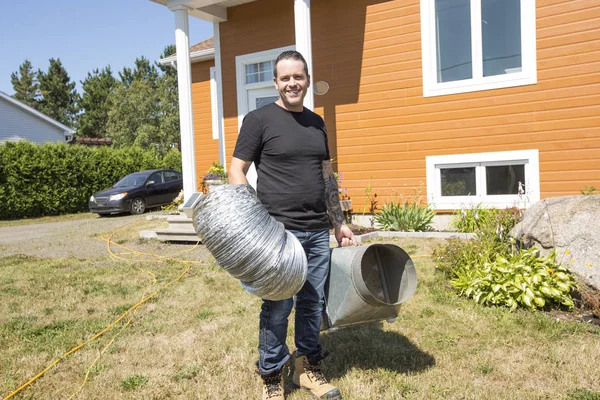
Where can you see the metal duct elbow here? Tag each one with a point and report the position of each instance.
(250, 244)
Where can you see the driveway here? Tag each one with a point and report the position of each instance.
(76, 238)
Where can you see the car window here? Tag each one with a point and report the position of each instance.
(170, 176)
(157, 177)
(131, 180)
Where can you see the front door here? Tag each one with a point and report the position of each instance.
(258, 98)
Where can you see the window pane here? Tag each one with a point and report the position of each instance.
(505, 179)
(501, 36)
(266, 76)
(453, 37)
(263, 101)
(251, 78)
(259, 72)
(458, 181)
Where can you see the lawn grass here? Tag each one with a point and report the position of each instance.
(197, 338)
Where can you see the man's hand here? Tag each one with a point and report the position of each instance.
(344, 236)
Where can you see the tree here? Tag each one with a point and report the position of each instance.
(167, 69)
(144, 108)
(94, 103)
(143, 70)
(25, 85)
(58, 95)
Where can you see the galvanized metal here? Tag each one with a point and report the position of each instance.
(368, 284)
(250, 244)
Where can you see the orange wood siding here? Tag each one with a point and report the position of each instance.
(381, 127)
(206, 149)
(385, 133)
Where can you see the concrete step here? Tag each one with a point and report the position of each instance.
(176, 234)
(181, 219)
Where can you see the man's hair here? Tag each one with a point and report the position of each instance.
(290, 55)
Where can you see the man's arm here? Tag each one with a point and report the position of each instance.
(237, 171)
(343, 234)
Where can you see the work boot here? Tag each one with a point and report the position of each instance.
(273, 386)
(309, 376)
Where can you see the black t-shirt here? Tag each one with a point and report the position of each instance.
(288, 149)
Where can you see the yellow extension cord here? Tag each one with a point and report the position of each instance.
(109, 327)
(131, 309)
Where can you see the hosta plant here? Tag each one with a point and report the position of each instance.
(407, 217)
(523, 280)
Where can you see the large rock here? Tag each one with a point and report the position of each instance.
(569, 224)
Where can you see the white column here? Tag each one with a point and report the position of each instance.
(186, 114)
(304, 41)
(219, 79)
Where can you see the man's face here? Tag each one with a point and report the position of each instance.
(292, 83)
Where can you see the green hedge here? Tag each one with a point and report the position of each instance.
(54, 179)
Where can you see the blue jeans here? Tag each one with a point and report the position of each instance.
(310, 300)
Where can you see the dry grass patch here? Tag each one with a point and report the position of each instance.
(45, 220)
(197, 339)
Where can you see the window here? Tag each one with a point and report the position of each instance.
(260, 72)
(502, 179)
(157, 177)
(171, 176)
(471, 45)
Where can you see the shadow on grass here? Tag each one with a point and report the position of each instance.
(369, 347)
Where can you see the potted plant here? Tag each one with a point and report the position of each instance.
(215, 176)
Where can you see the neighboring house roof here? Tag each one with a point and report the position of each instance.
(93, 141)
(68, 131)
(202, 51)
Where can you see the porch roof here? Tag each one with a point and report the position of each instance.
(208, 10)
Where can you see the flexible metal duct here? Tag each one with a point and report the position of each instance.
(250, 244)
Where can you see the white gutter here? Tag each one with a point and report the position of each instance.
(196, 56)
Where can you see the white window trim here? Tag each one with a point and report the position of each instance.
(527, 76)
(480, 160)
(240, 69)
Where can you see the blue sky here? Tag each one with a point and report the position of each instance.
(86, 34)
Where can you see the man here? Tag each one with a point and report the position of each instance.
(296, 184)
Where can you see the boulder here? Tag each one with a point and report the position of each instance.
(571, 225)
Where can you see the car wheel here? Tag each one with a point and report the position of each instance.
(138, 206)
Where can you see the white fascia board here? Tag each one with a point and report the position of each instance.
(37, 113)
(196, 56)
(214, 13)
(211, 11)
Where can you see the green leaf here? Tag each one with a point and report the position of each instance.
(540, 302)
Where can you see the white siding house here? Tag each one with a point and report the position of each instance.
(21, 122)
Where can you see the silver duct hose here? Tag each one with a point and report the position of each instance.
(250, 244)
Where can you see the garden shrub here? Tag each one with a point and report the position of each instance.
(492, 271)
(406, 217)
(57, 178)
(524, 280)
(491, 239)
(472, 219)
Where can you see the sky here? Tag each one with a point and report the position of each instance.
(86, 34)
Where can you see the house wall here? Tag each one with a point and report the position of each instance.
(381, 127)
(16, 124)
(206, 149)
